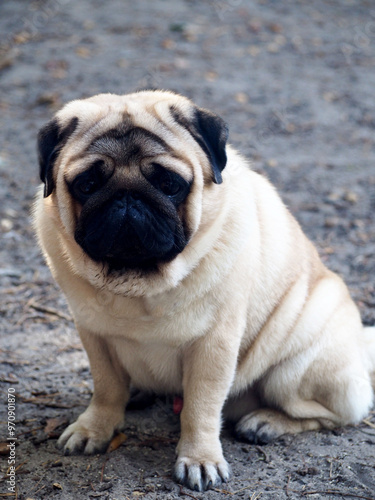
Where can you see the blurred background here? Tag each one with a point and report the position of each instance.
(294, 79)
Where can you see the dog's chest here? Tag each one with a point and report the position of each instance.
(148, 338)
(151, 366)
(170, 320)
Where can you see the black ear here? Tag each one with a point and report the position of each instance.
(51, 139)
(211, 133)
(214, 132)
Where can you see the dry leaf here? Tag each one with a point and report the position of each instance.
(275, 28)
(83, 52)
(241, 97)
(272, 162)
(53, 423)
(116, 442)
(210, 76)
(168, 44)
(22, 37)
(4, 450)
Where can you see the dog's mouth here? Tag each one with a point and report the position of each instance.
(129, 253)
(121, 264)
(130, 234)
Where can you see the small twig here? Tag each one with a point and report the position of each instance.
(42, 394)
(39, 400)
(58, 405)
(40, 489)
(368, 433)
(14, 362)
(27, 317)
(20, 465)
(367, 422)
(9, 380)
(266, 458)
(301, 493)
(49, 310)
(334, 492)
(287, 486)
(102, 473)
(36, 485)
(182, 492)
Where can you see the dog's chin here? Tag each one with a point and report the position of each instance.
(132, 275)
(132, 263)
(138, 260)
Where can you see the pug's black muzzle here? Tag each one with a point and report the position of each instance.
(129, 232)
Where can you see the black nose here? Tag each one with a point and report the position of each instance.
(128, 209)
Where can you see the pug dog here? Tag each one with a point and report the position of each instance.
(186, 274)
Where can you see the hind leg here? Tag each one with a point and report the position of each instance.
(328, 394)
(265, 425)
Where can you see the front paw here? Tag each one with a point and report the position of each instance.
(203, 473)
(91, 432)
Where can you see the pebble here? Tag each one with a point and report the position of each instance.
(104, 486)
(331, 222)
(6, 225)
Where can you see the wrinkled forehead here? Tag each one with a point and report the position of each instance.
(127, 144)
(128, 137)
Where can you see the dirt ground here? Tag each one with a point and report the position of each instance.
(295, 81)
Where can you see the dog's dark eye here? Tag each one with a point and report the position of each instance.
(87, 183)
(169, 187)
(170, 183)
(86, 186)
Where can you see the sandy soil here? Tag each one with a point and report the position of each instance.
(295, 81)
